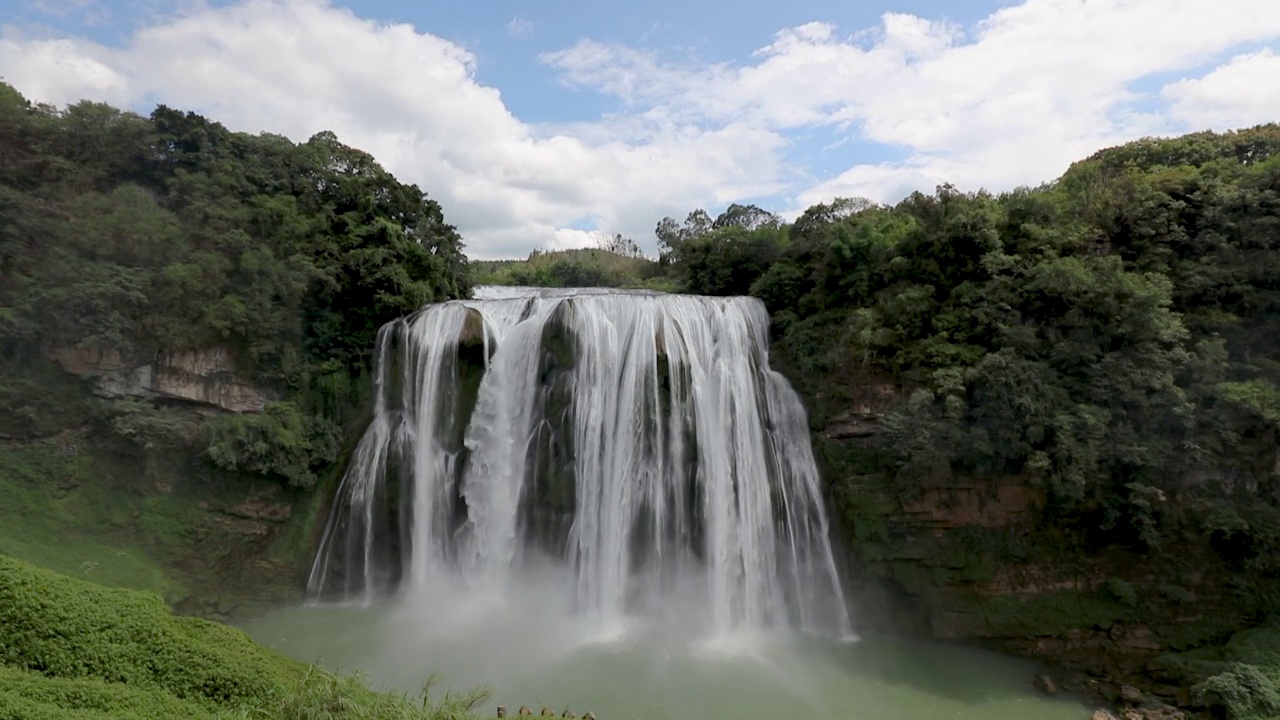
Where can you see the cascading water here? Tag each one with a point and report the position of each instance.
(641, 439)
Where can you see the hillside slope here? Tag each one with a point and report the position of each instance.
(73, 649)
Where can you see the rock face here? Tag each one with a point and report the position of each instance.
(207, 376)
(977, 558)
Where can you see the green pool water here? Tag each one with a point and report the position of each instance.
(656, 669)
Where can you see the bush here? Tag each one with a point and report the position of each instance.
(281, 441)
(69, 629)
(72, 649)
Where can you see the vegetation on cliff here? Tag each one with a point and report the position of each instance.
(142, 234)
(1112, 334)
(73, 649)
(1050, 415)
(1110, 340)
(125, 239)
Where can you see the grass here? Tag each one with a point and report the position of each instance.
(75, 649)
(56, 516)
(113, 565)
(155, 521)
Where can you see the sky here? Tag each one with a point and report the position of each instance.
(544, 124)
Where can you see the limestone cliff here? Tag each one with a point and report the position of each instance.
(206, 376)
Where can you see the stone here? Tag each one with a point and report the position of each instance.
(961, 502)
(263, 504)
(1045, 684)
(206, 376)
(258, 510)
(853, 425)
(1130, 694)
(1103, 715)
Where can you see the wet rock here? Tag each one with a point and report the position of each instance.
(853, 425)
(258, 509)
(1183, 696)
(1045, 684)
(261, 503)
(473, 330)
(962, 502)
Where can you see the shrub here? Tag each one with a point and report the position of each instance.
(70, 649)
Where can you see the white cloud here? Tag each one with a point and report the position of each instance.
(300, 66)
(570, 238)
(1011, 100)
(1245, 91)
(520, 27)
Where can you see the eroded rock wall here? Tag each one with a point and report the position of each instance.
(207, 376)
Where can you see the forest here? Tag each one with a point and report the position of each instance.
(1110, 339)
(1114, 334)
(142, 234)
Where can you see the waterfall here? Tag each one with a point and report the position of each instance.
(640, 439)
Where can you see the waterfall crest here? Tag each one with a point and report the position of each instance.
(640, 439)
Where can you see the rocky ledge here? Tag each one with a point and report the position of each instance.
(206, 376)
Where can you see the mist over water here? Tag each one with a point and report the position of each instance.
(532, 651)
(607, 501)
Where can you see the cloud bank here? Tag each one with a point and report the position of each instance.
(1008, 101)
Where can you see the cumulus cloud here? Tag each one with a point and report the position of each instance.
(1245, 91)
(411, 99)
(1010, 100)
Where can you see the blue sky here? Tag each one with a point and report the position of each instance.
(536, 124)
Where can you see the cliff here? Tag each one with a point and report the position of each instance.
(124, 495)
(206, 376)
(985, 559)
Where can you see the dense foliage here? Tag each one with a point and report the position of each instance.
(72, 649)
(1113, 334)
(143, 234)
(1112, 337)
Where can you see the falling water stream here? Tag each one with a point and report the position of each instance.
(607, 501)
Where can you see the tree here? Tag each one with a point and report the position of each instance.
(747, 217)
(138, 234)
(672, 236)
(619, 245)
